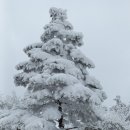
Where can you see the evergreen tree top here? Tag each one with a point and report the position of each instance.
(56, 13)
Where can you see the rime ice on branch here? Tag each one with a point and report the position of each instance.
(60, 92)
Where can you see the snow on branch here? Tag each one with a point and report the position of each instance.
(66, 66)
(29, 66)
(22, 79)
(78, 57)
(38, 54)
(59, 79)
(54, 46)
(35, 45)
(93, 83)
(72, 37)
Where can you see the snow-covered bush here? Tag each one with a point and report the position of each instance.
(121, 109)
(116, 117)
(9, 101)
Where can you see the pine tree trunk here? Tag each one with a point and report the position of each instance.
(61, 124)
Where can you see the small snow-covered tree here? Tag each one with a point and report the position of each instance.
(8, 105)
(9, 101)
(117, 117)
(120, 108)
(60, 92)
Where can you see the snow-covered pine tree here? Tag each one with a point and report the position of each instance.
(60, 92)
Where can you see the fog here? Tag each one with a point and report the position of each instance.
(105, 25)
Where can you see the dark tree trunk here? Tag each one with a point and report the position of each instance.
(61, 123)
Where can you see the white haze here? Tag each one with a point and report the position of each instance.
(104, 23)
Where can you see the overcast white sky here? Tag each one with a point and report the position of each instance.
(104, 23)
